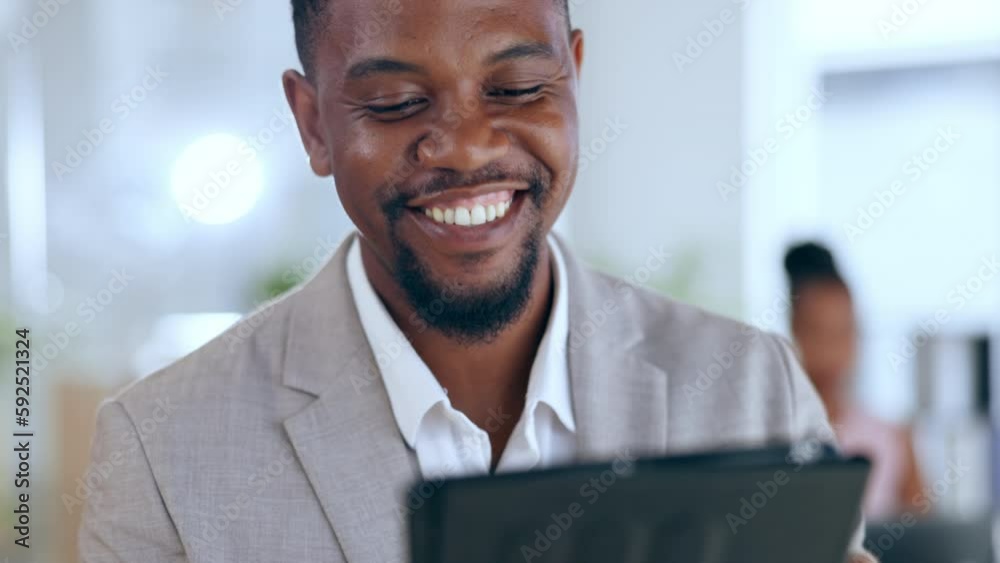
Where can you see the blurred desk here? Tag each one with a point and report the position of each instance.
(933, 541)
(76, 405)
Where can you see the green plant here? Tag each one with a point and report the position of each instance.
(275, 284)
(682, 278)
(678, 278)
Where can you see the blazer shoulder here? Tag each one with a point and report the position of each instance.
(658, 313)
(247, 355)
(729, 383)
(687, 341)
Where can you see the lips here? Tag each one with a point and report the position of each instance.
(457, 223)
(471, 211)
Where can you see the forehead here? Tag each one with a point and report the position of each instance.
(831, 298)
(438, 32)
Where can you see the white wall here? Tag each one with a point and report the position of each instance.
(655, 184)
(114, 211)
(892, 81)
(935, 234)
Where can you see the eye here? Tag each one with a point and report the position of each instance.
(514, 93)
(396, 111)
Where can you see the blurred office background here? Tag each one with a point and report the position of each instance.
(720, 130)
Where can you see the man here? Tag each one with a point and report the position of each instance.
(452, 335)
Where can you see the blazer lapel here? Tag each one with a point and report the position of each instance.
(349, 444)
(619, 396)
(347, 439)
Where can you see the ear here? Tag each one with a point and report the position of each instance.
(576, 47)
(301, 96)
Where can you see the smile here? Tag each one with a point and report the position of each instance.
(470, 220)
(471, 212)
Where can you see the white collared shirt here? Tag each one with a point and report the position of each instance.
(446, 442)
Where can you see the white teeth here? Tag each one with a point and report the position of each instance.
(466, 217)
(478, 215)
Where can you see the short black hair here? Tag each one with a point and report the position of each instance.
(811, 262)
(307, 17)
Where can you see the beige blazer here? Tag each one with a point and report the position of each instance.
(275, 441)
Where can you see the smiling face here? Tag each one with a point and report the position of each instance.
(450, 128)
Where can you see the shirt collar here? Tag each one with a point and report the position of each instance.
(549, 382)
(412, 388)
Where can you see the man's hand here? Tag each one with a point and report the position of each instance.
(861, 558)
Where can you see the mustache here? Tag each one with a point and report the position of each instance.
(394, 196)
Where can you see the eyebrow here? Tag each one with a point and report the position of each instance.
(367, 68)
(530, 50)
(380, 65)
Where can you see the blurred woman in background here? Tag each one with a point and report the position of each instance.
(825, 330)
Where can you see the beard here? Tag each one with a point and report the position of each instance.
(470, 315)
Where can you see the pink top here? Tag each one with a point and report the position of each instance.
(886, 446)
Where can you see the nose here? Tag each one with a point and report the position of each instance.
(465, 142)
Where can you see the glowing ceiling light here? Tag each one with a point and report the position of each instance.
(216, 180)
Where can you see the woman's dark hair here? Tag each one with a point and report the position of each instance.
(811, 262)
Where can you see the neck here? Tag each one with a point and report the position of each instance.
(486, 381)
(834, 402)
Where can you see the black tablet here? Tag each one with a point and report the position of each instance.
(769, 506)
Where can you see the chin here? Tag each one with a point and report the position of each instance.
(473, 295)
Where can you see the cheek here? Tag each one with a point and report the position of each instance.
(363, 152)
(364, 163)
(552, 136)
